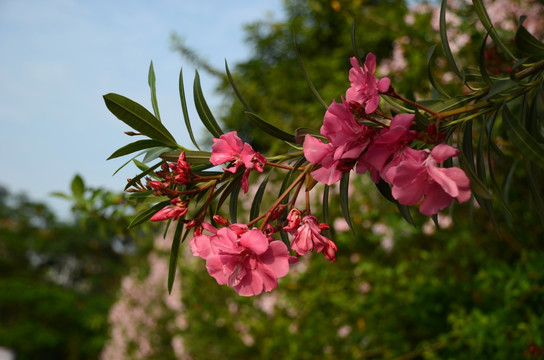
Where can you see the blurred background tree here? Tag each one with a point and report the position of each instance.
(60, 278)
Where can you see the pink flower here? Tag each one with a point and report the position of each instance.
(245, 260)
(293, 220)
(364, 86)
(230, 148)
(308, 237)
(319, 153)
(174, 211)
(417, 175)
(386, 143)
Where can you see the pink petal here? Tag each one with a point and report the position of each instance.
(384, 84)
(254, 240)
(327, 176)
(214, 265)
(443, 151)
(315, 150)
(440, 176)
(435, 200)
(370, 63)
(276, 259)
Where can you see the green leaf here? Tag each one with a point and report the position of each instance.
(155, 153)
(192, 157)
(137, 117)
(476, 185)
(535, 119)
(326, 204)
(151, 82)
(525, 143)
(203, 110)
(430, 72)
(146, 214)
(535, 187)
(307, 77)
(481, 62)
(78, 186)
(256, 204)
(270, 129)
(528, 44)
(184, 109)
(135, 146)
(174, 255)
(233, 201)
(235, 88)
(486, 22)
(142, 175)
(344, 199)
(444, 40)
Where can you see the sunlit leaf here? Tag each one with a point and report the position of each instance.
(183, 101)
(151, 82)
(192, 157)
(138, 118)
(203, 110)
(135, 146)
(270, 129)
(137, 178)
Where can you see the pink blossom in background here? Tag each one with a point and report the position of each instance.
(175, 210)
(417, 175)
(248, 262)
(364, 86)
(230, 148)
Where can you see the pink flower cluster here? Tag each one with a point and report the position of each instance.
(230, 148)
(356, 136)
(245, 259)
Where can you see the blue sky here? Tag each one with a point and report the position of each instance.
(60, 56)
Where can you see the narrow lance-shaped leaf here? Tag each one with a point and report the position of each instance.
(135, 146)
(270, 129)
(344, 199)
(183, 101)
(307, 77)
(525, 143)
(146, 214)
(203, 110)
(137, 117)
(486, 22)
(233, 201)
(528, 44)
(445, 42)
(151, 82)
(256, 204)
(137, 178)
(174, 255)
(430, 65)
(235, 88)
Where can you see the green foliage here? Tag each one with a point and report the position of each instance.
(60, 279)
